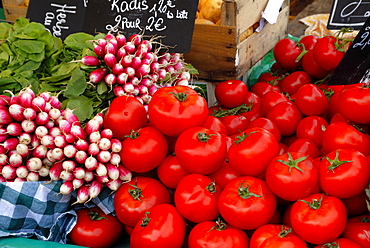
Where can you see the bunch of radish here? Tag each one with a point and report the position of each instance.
(133, 66)
(41, 141)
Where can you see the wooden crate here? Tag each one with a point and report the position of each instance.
(14, 9)
(219, 52)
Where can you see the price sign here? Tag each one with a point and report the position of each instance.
(356, 62)
(348, 13)
(172, 20)
(60, 17)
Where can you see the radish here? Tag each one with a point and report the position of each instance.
(69, 165)
(48, 141)
(70, 117)
(70, 151)
(92, 126)
(66, 188)
(70, 138)
(41, 131)
(57, 154)
(22, 171)
(122, 78)
(82, 195)
(55, 103)
(98, 75)
(15, 160)
(55, 131)
(54, 113)
(114, 184)
(25, 138)
(82, 145)
(26, 97)
(99, 50)
(18, 179)
(15, 112)
(101, 170)
(117, 69)
(95, 137)
(44, 171)
(124, 174)
(10, 144)
(113, 171)
(66, 175)
(79, 173)
(22, 149)
(9, 172)
(42, 118)
(136, 39)
(106, 133)
(93, 149)
(65, 126)
(104, 156)
(111, 47)
(46, 162)
(90, 61)
(126, 60)
(104, 144)
(129, 47)
(110, 60)
(81, 157)
(110, 79)
(94, 189)
(3, 159)
(89, 176)
(34, 164)
(55, 171)
(116, 145)
(77, 183)
(91, 163)
(3, 134)
(28, 126)
(38, 104)
(121, 40)
(60, 141)
(14, 129)
(118, 91)
(78, 132)
(102, 179)
(29, 113)
(121, 52)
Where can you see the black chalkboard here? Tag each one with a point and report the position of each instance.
(171, 19)
(60, 17)
(348, 13)
(356, 61)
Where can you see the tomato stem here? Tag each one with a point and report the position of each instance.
(136, 192)
(145, 220)
(211, 187)
(95, 216)
(234, 111)
(284, 231)
(182, 96)
(291, 163)
(203, 137)
(334, 163)
(243, 192)
(241, 137)
(220, 225)
(133, 135)
(314, 204)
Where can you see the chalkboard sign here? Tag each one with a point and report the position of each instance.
(348, 13)
(60, 17)
(353, 66)
(171, 19)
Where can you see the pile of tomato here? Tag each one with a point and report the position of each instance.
(283, 163)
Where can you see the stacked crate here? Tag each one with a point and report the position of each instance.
(14, 9)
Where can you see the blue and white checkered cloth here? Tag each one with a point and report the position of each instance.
(35, 209)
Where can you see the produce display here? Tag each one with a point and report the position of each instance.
(284, 162)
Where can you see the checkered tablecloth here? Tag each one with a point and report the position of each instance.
(35, 209)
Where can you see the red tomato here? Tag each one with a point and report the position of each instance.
(354, 104)
(358, 229)
(313, 128)
(215, 124)
(308, 41)
(311, 100)
(327, 54)
(170, 172)
(143, 150)
(252, 151)
(133, 199)
(196, 198)
(286, 52)
(94, 228)
(340, 243)
(295, 80)
(342, 135)
(260, 88)
(305, 146)
(253, 107)
(274, 235)
(286, 115)
(318, 218)
(200, 150)
(344, 173)
(217, 234)
(271, 77)
(224, 175)
(356, 205)
(124, 114)
(270, 99)
(231, 93)
(267, 124)
(174, 109)
(234, 123)
(292, 176)
(162, 226)
(283, 148)
(310, 66)
(247, 203)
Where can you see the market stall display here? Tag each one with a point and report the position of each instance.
(283, 158)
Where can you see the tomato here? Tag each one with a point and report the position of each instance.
(275, 235)
(170, 172)
(310, 66)
(224, 175)
(215, 124)
(293, 81)
(358, 229)
(318, 218)
(271, 77)
(94, 228)
(143, 150)
(252, 150)
(162, 226)
(270, 99)
(217, 234)
(267, 124)
(124, 114)
(231, 93)
(247, 203)
(174, 109)
(286, 115)
(305, 146)
(196, 198)
(340, 243)
(283, 148)
(354, 104)
(308, 41)
(313, 128)
(356, 205)
(234, 123)
(327, 53)
(253, 107)
(344, 173)
(286, 53)
(311, 100)
(201, 150)
(292, 176)
(136, 197)
(342, 135)
(261, 87)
